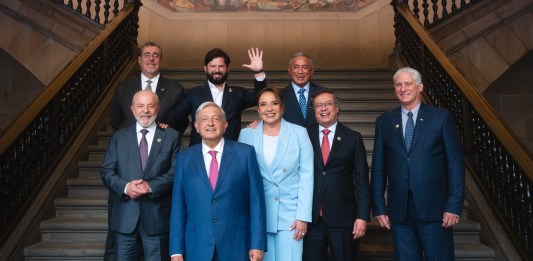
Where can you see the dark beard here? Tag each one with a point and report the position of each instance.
(213, 81)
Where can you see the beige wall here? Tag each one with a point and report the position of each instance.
(334, 39)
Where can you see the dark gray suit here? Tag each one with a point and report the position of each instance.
(169, 92)
(150, 213)
(292, 112)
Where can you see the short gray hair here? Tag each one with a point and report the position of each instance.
(414, 73)
(298, 54)
(209, 104)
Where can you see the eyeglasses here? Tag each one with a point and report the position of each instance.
(325, 104)
(149, 56)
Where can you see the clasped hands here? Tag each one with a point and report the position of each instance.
(137, 188)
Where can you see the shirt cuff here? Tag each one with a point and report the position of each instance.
(260, 78)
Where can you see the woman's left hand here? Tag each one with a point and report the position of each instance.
(300, 228)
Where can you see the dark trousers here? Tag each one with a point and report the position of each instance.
(109, 253)
(154, 247)
(414, 239)
(340, 241)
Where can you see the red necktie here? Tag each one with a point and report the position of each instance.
(325, 145)
(213, 169)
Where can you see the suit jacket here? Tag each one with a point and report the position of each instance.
(288, 180)
(168, 91)
(341, 185)
(292, 112)
(434, 165)
(230, 218)
(122, 164)
(234, 100)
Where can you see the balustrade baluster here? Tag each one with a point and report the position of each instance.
(88, 10)
(425, 11)
(435, 8)
(115, 9)
(444, 8)
(97, 11)
(416, 9)
(454, 6)
(78, 6)
(106, 11)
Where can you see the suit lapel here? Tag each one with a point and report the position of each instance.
(161, 90)
(258, 144)
(199, 164)
(206, 93)
(293, 100)
(157, 143)
(225, 162)
(132, 139)
(315, 141)
(338, 138)
(226, 97)
(396, 122)
(283, 144)
(419, 126)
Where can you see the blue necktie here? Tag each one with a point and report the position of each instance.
(303, 102)
(409, 129)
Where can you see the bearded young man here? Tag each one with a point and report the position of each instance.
(232, 99)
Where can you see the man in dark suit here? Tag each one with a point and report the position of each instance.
(233, 99)
(138, 171)
(418, 160)
(341, 202)
(170, 92)
(218, 202)
(297, 95)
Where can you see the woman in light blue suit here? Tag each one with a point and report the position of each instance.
(285, 157)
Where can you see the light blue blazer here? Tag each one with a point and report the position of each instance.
(288, 181)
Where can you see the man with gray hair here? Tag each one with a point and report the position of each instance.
(218, 202)
(297, 96)
(418, 161)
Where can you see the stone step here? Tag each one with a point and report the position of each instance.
(65, 251)
(81, 207)
(68, 229)
(464, 232)
(87, 187)
(463, 252)
(89, 168)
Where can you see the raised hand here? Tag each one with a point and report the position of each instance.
(256, 60)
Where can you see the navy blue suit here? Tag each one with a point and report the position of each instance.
(292, 112)
(234, 100)
(433, 166)
(230, 219)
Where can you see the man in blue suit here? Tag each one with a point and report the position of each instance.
(418, 160)
(232, 99)
(218, 202)
(297, 96)
(138, 171)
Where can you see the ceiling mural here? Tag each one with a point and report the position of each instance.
(265, 5)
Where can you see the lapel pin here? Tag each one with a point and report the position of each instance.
(230, 90)
(338, 138)
(397, 126)
(158, 139)
(421, 119)
(162, 89)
